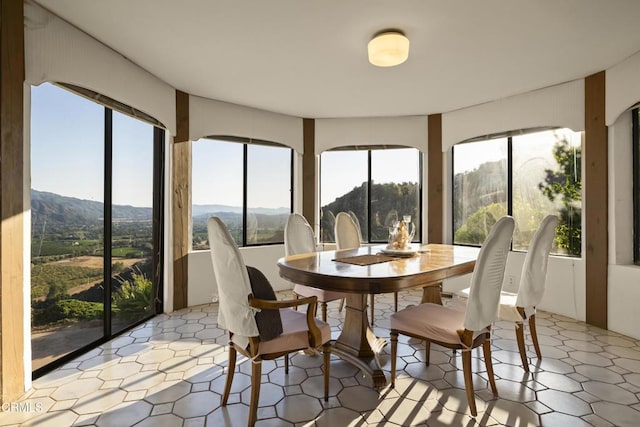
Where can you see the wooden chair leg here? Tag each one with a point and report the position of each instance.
(326, 353)
(534, 335)
(230, 371)
(427, 352)
(296, 297)
(372, 302)
(341, 306)
(468, 382)
(486, 348)
(394, 352)
(256, 377)
(286, 364)
(323, 305)
(395, 302)
(521, 347)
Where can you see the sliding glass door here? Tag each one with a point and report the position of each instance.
(96, 178)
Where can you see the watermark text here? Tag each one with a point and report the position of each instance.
(21, 407)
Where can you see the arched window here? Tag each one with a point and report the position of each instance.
(247, 183)
(528, 175)
(377, 184)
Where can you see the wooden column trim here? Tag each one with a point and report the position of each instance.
(181, 202)
(309, 171)
(12, 298)
(435, 184)
(595, 207)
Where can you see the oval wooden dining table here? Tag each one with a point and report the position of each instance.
(365, 270)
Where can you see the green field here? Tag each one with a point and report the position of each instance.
(49, 248)
(59, 278)
(128, 252)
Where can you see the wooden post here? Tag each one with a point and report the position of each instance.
(595, 210)
(12, 298)
(435, 210)
(181, 206)
(309, 171)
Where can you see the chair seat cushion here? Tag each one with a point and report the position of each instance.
(323, 296)
(295, 333)
(508, 310)
(430, 321)
(268, 321)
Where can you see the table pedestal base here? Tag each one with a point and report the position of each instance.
(357, 344)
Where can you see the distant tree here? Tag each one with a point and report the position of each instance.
(117, 267)
(565, 183)
(57, 291)
(478, 225)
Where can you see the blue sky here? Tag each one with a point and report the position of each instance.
(67, 149)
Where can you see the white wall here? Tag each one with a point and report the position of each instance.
(623, 293)
(410, 131)
(564, 291)
(202, 284)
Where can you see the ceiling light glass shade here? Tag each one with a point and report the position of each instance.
(388, 49)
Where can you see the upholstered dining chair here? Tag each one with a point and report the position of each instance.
(298, 239)
(259, 326)
(460, 330)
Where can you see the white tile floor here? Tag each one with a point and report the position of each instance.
(170, 372)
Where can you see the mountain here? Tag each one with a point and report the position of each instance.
(63, 210)
(209, 210)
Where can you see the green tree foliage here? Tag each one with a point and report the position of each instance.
(478, 225)
(478, 188)
(565, 184)
(67, 311)
(134, 299)
(386, 199)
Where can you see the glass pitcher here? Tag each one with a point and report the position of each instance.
(401, 234)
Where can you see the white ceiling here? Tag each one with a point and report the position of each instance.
(308, 58)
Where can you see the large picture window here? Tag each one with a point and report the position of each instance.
(96, 177)
(528, 176)
(377, 186)
(249, 185)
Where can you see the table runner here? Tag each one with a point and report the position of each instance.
(364, 260)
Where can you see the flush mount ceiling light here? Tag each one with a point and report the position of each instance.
(388, 48)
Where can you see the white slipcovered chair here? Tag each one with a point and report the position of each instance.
(238, 312)
(460, 330)
(521, 306)
(299, 239)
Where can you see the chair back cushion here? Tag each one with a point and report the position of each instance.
(268, 321)
(488, 275)
(346, 232)
(534, 269)
(234, 312)
(298, 236)
(356, 221)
